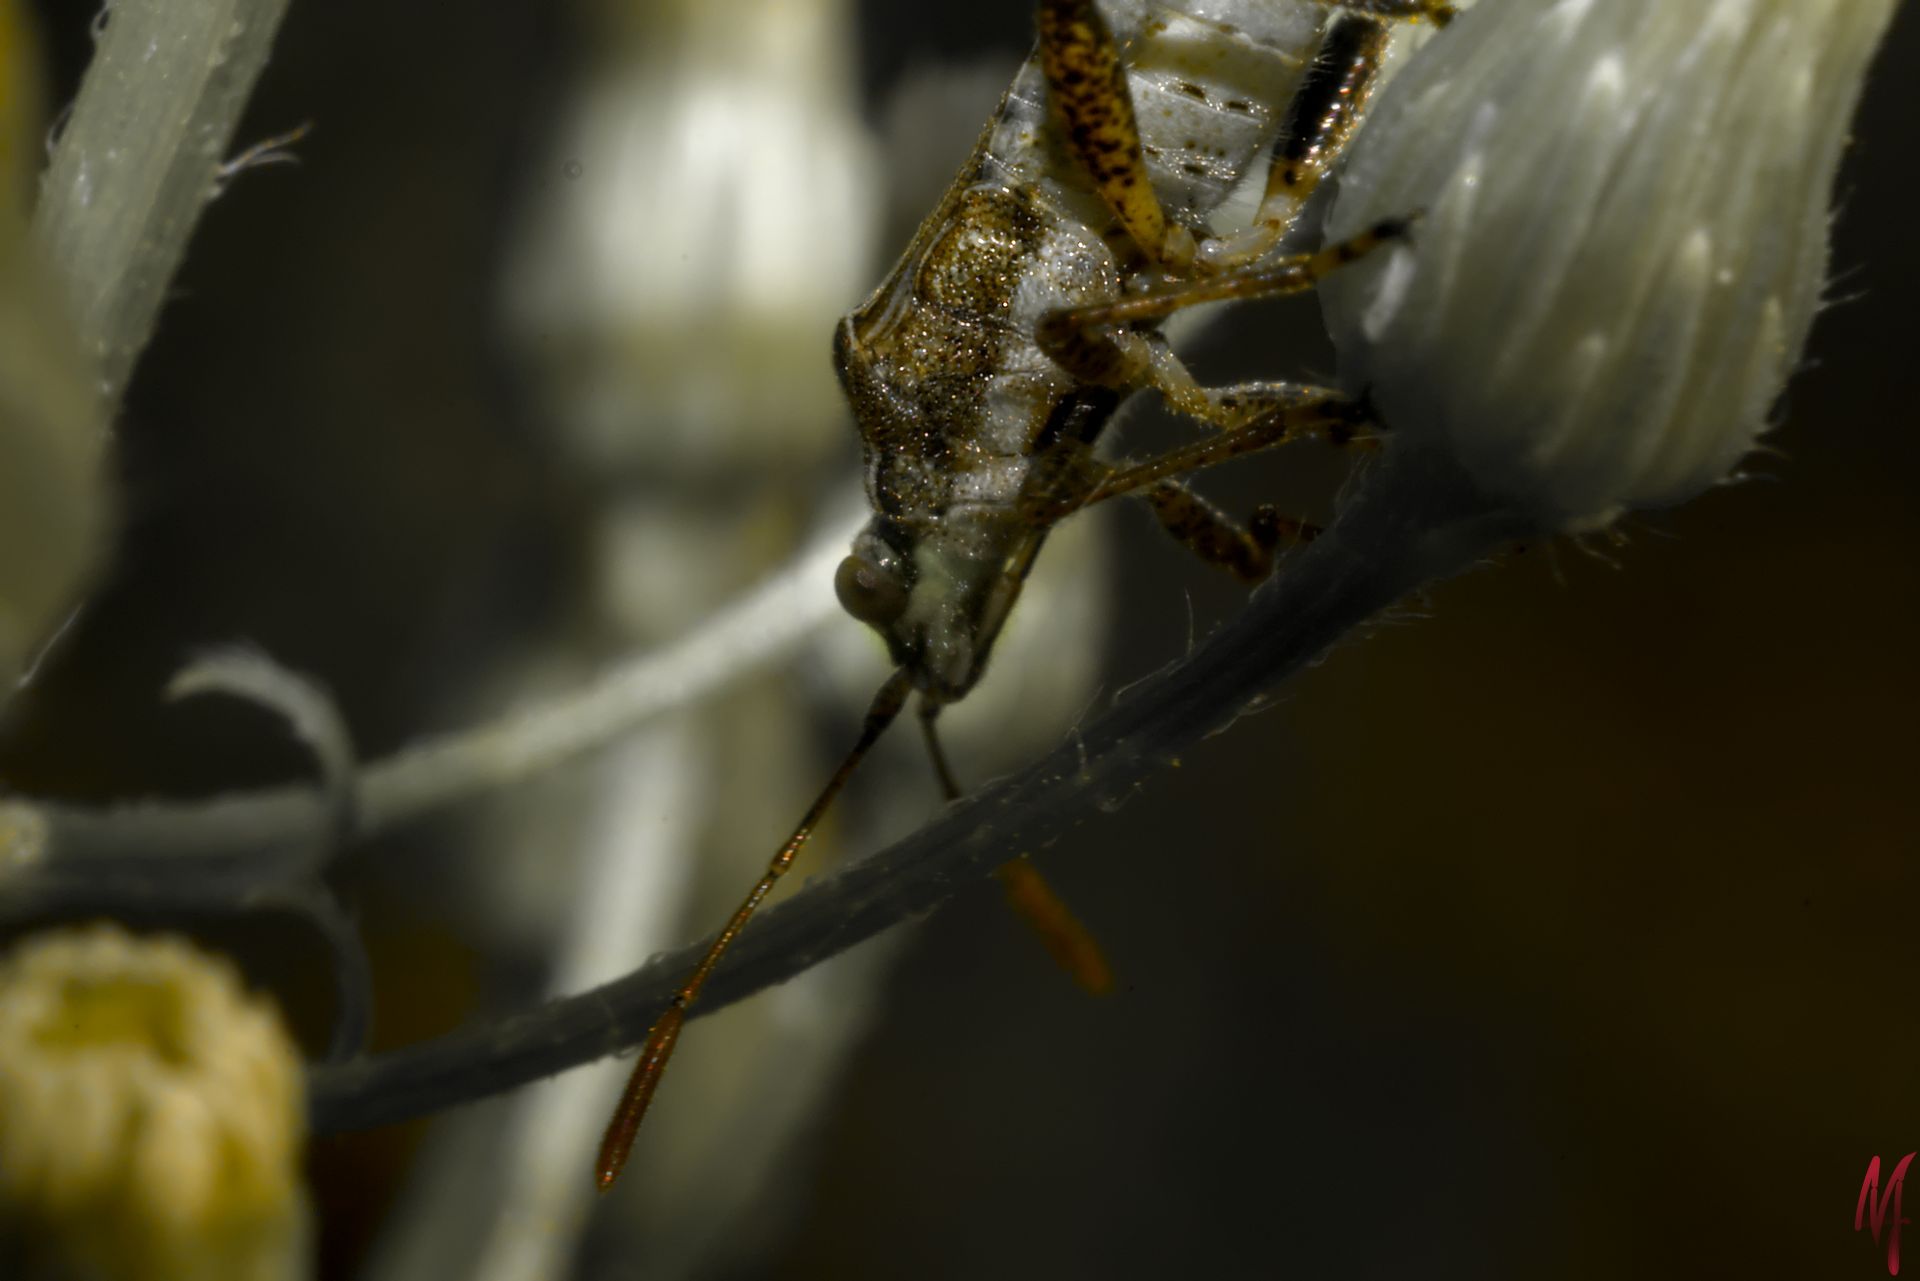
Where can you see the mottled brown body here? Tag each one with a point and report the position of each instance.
(956, 401)
(983, 370)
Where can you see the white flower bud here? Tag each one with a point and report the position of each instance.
(717, 220)
(1622, 244)
(151, 1116)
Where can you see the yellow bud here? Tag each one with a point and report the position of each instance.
(151, 1116)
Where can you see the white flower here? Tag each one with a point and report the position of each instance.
(151, 1116)
(1622, 244)
(715, 218)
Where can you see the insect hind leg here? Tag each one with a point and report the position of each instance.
(1321, 120)
(1087, 83)
(1438, 12)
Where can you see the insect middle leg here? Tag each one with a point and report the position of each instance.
(1309, 411)
(1099, 343)
(1077, 479)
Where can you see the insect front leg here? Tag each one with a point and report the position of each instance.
(1245, 551)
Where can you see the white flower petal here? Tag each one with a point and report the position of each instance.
(1623, 238)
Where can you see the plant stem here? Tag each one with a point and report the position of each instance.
(1415, 521)
(291, 820)
(140, 157)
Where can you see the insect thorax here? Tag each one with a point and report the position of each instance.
(954, 399)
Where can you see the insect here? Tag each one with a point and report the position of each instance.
(1027, 308)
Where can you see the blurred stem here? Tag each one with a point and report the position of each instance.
(140, 157)
(1415, 520)
(41, 836)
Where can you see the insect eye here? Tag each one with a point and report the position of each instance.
(874, 593)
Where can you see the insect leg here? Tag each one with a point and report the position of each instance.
(1228, 407)
(1094, 343)
(1438, 12)
(942, 768)
(665, 1032)
(1069, 942)
(1322, 118)
(1329, 414)
(1088, 86)
(1059, 330)
(1245, 551)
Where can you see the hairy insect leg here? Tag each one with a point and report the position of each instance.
(1329, 415)
(1294, 274)
(1069, 942)
(1325, 112)
(1097, 343)
(1245, 551)
(1287, 412)
(1292, 412)
(1227, 408)
(617, 1143)
(1088, 86)
(1438, 12)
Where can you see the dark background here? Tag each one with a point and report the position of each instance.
(1566, 932)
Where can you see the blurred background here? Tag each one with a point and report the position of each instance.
(1565, 931)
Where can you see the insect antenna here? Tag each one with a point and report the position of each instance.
(617, 1144)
